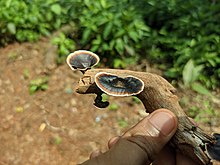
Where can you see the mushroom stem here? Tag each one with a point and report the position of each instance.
(159, 93)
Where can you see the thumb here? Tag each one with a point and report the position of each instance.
(151, 134)
(142, 143)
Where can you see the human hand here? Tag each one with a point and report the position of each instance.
(143, 144)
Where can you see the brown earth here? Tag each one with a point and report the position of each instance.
(55, 126)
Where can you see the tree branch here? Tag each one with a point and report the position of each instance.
(159, 93)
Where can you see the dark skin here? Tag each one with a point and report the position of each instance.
(143, 144)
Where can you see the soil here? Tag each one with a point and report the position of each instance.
(55, 126)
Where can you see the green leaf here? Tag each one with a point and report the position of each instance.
(32, 89)
(94, 48)
(97, 41)
(201, 89)
(172, 72)
(55, 40)
(133, 35)
(192, 42)
(105, 46)
(122, 123)
(129, 50)
(191, 72)
(63, 50)
(196, 72)
(12, 28)
(103, 3)
(8, 3)
(86, 34)
(44, 86)
(113, 107)
(107, 30)
(120, 33)
(118, 63)
(163, 31)
(58, 140)
(56, 8)
(105, 97)
(112, 44)
(119, 46)
(188, 73)
(136, 100)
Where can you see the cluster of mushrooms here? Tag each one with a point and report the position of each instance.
(154, 92)
(109, 83)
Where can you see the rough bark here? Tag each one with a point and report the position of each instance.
(159, 93)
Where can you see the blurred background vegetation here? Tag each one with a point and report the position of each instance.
(181, 37)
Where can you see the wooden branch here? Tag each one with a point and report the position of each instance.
(158, 93)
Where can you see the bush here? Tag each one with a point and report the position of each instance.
(112, 29)
(171, 33)
(27, 20)
(65, 46)
(183, 31)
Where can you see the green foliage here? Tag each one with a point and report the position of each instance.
(123, 123)
(57, 140)
(136, 100)
(38, 84)
(112, 29)
(201, 89)
(105, 97)
(190, 77)
(202, 114)
(191, 72)
(65, 45)
(113, 107)
(183, 31)
(26, 20)
(123, 62)
(169, 33)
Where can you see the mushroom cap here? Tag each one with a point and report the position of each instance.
(213, 150)
(118, 86)
(82, 60)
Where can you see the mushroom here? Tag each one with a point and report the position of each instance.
(82, 60)
(213, 150)
(118, 86)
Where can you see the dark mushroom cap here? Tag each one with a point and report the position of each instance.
(82, 60)
(117, 86)
(213, 150)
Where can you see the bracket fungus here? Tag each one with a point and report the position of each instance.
(118, 86)
(154, 92)
(213, 150)
(82, 60)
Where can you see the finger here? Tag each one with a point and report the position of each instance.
(142, 143)
(161, 123)
(112, 141)
(95, 154)
(153, 132)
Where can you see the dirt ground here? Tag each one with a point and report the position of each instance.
(55, 126)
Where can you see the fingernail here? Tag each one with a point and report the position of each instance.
(163, 122)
